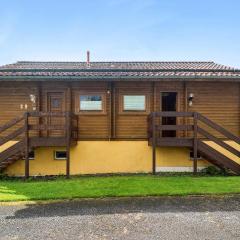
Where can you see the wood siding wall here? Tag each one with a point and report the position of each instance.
(12, 96)
(218, 101)
(132, 124)
(92, 125)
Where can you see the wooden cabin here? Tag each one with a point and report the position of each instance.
(118, 117)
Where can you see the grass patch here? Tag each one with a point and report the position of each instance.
(116, 186)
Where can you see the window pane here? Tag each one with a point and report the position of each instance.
(134, 103)
(60, 155)
(88, 102)
(31, 155)
(55, 103)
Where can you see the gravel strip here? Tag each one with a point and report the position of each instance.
(124, 218)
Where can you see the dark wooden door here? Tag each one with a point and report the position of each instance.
(169, 104)
(55, 104)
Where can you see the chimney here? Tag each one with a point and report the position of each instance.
(88, 57)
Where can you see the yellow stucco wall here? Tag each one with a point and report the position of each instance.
(90, 157)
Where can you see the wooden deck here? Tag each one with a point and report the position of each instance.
(50, 142)
(191, 129)
(172, 142)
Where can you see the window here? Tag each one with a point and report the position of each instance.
(55, 102)
(91, 103)
(192, 155)
(31, 156)
(60, 155)
(134, 103)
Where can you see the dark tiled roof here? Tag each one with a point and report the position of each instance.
(118, 65)
(119, 70)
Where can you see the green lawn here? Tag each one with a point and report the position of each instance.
(116, 186)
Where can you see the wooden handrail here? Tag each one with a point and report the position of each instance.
(44, 127)
(186, 127)
(11, 123)
(25, 140)
(11, 150)
(47, 114)
(12, 135)
(173, 114)
(218, 128)
(65, 126)
(154, 126)
(69, 124)
(218, 141)
(175, 127)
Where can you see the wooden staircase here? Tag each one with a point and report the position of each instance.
(12, 141)
(217, 158)
(21, 135)
(199, 133)
(12, 154)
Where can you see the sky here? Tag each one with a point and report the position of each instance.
(120, 30)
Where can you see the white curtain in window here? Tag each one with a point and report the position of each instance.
(90, 103)
(134, 103)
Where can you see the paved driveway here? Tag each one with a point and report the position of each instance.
(138, 218)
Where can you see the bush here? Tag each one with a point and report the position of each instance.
(3, 176)
(213, 171)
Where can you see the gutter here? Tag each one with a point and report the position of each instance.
(118, 78)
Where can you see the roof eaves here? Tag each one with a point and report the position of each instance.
(76, 78)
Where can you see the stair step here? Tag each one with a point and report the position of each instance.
(11, 154)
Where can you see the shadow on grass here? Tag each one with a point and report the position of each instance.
(127, 205)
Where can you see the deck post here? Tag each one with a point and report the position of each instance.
(153, 144)
(39, 107)
(68, 141)
(195, 143)
(26, 147)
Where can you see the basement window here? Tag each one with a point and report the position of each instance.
(60, 155)
(91, 103)
(134, 102)
(31, 156)
(199, 157)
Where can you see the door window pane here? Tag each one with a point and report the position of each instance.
(134, 103)
(91, 102)
(55, 103)
(169, 104)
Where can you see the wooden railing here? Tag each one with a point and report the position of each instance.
(13, 130)
(191, 130)
(50, 124)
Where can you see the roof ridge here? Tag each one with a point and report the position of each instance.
(119, 65)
